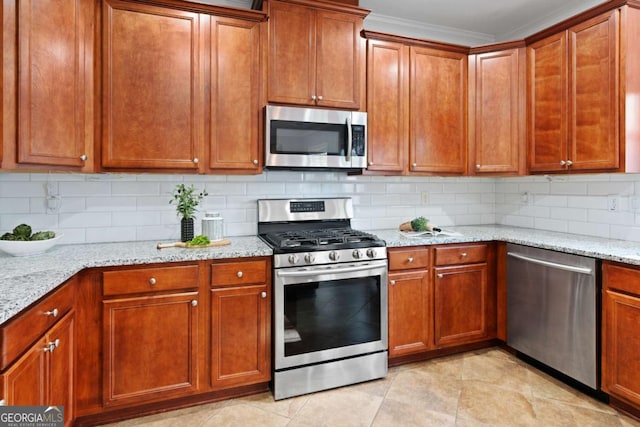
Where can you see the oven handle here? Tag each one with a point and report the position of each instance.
(305, 273)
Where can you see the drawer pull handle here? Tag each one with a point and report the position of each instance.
(463, 254)
(263, 294)
(152, 281)
(393, 282)
(52, 345)
(194, 303)
(53, 312)
(440, 276)
(239, 274)
(410, 259)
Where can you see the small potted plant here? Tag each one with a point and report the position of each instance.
(186, 200)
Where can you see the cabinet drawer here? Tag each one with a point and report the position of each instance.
(406, 259)
(238, 273)
(149, 279)
(467, 254)
(20, 332)
(622, 278)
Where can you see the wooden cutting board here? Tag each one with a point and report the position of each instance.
(223, 242)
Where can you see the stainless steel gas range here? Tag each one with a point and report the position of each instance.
(330, 295)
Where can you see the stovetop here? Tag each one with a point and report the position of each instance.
(320, 240)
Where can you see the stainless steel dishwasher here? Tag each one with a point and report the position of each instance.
(552, 310)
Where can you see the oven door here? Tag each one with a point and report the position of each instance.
(330, 312)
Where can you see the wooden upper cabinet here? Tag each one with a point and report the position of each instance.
(152, 87)
(314, 55)
(573, 98)
(438, 117)
(387, 105)
(235, 95)
(497, 112)
(593, 93)
(53, 75)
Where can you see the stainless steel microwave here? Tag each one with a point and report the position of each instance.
(297, 137)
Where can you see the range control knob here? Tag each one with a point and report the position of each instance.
(371, 253)
(293, 259)
(309, 258)
(357, 254)
(334, 256)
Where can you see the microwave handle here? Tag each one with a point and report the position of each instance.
(349, 139)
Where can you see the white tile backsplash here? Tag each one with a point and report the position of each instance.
(122, 207)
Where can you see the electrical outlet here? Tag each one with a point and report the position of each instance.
(425, 198)
(53, 204)
(613, 204)
(525, 198)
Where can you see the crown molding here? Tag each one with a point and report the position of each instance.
(420, 30)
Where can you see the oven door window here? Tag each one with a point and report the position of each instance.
(331, 314)
(308, 138)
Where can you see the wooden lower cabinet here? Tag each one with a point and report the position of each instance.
(240, 323)
(150, 347)
(620, 339)
(460, 304)
(44, 374)
(409, 313)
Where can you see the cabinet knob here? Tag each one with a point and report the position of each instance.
(477, 166)
(440, 276)
(83, 157)
(53, 312)
(413, 165)
(152, 281)
(239, 274)
(320, 98)
(393, 282)
(52, 345)
(196, 160)
(463, 255)
(410, 259)
(370, 163)
(255, 162)
(194, 303)
(562, 163)
(3, 402)
(313, 97)
(263, 294)
(569, 163)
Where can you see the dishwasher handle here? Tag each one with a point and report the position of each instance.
(572, 268)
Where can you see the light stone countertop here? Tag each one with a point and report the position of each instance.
(24, 280)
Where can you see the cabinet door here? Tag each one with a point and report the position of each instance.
(235, 95)
(621, 346)
(25, 382)
(409, 313)
(461, 304)
(292, 54)
(240, 336)
(152, 94)
(338, 60)
(61, 391)
(547, 77)
(498, 143)
(438, 124)
(593, 91)
(387, 105)
(55, 82)
(150, 347)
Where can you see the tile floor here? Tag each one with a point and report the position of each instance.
(482, 388)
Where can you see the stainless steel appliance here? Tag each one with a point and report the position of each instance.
(330, 296)
(297, 137)
(552, 310)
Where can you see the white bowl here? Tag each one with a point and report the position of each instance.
(30, 247)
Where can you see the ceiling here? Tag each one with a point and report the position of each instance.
(466, 22)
